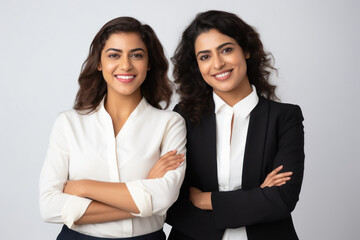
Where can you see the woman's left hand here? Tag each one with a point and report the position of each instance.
(276, 179)
(200, 199)
(75, 187)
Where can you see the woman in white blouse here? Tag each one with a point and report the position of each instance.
(115, 163)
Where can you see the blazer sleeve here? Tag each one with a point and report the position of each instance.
(239, 208)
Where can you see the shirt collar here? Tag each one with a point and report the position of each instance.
(242, 108)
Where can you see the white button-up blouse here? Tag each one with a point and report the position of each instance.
(83, 146)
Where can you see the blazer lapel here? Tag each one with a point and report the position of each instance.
(201, 167)
(255, 143)
(208, 133)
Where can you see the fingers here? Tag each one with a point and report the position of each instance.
(162, 170)
(276, 179)
(175, 165)
(276, 170)
(179, 158)
(169, 161)
(273, 173)
(270, 175)
(171, 158)
(278, 182)
(281, 175)
(170, 153)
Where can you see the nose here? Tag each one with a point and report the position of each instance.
(218, 61)
(125, 64)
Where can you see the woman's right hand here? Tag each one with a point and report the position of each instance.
(167, 162)
(275, 178)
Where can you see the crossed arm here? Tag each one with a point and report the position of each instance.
(86, 201)
(271, 201)
(113, 201)
(202, 200)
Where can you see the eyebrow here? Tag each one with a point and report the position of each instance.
(119, 50)
(218, 47)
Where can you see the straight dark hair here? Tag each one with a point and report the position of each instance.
(92, 86)
(195, 93)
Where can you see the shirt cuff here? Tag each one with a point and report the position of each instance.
(141, 197)
(73, 210)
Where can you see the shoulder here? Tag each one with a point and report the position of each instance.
(64, 117)
(165, 115)
(207, 120)
(182, 113)
(72, 117)
(283, 110)
(59, 132)
(284, 115)
(168, 122)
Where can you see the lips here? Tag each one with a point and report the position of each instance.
(223, 75)
(125, 78)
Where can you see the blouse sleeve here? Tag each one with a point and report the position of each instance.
(56, 206)
(155, 196)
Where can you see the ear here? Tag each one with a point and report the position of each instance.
(148, 68)
(247, 55)
(99, 68)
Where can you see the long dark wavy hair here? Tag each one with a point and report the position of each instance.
(156, 87)
(195, 93)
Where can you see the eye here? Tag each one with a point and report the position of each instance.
(114, 55)
(204, 57)
(227, 50)
(136, 55)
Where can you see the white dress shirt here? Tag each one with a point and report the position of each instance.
(84, 147)
(230, 147)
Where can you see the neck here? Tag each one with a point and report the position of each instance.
(237, 94)
(120, 107)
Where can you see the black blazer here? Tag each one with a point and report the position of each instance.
(275, 137)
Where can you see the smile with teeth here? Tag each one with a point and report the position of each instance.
(125, 78)
(222, 75)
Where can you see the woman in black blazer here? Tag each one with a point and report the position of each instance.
(220, 61)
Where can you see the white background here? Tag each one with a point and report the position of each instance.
(316, 48)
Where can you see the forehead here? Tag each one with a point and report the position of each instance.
(125, 41)
(211, 39)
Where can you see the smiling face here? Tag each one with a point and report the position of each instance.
(124, 63)
(222, 64)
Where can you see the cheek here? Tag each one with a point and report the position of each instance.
(141, 66)
(204, 69)
(207, 78)
(239, 61)
(143, 69)
(109, 67)
(243, 66)
(108, 70)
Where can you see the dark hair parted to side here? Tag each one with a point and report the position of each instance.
(195, 93)
(156, 87)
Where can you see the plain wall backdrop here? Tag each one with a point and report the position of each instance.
(316, 48)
